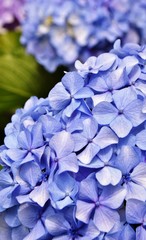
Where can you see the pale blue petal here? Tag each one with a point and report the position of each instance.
(105, 61)
(130, 62)
(104, 97)
(73, 82)
(98, 83)
(6, 199)
(105, 138)
(141, 86)
(109, 175)
(65, 146)
(140, 233)
(10, 141)
(141, 140)
(65, 182)
(59, 97)
(85, 92)
(19, 233)
(50, 124)
(28, 214)
(16, 154)
(90, 128)
(30, 173)
(127, 159)
(56, 224)
(105, 218)
(139, 174)
(123, 97)
(135, 211)
(38, 152)
(40, 194)
(91, 231)
(37, 232)
(24, 139)
(64, 202)
(74, 104)
(80, 141)
(5, 230)
(112, 197)
(135, 191)
(104, 112)
(121, 126)
(68, 163)
(11, 217)
(5, 179)
(55, 193)
(88, 190)
(133, 112)
(127, 233)
(134, 76)
(84, 210)
(88, 153)
(118, 78)
(37, 136)
(106, 154)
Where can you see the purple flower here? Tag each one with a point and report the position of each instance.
(11, 12)
(74, 164)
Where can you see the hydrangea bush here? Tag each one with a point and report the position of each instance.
(58, 32)
(11, 12)
(74, 164)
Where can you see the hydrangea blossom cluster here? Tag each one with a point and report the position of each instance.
(11, 12)
(58, 32)
(74, 164)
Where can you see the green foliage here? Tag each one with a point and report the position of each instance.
(20, 75)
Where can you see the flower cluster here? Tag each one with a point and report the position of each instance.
(58, 32)
(11, 12)
(74, 164)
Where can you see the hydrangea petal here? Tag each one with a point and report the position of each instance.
(59, 97)
(28, 214)
(30, 173)
(73, 82)
(65, 146)
(135, 191)
(112, 197)
(139, 174)
(40, 194)
(141, 140)
(56, 225)
(105, 218)
(121, 126)
(68, 163)
(19, 232)
(140, 233)
(104, 112)
(88, 153)
(133, 112)
(84, 210)
(113, 176)
(88, 189)
(105, 138)
(135, 211)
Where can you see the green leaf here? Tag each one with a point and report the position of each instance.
(20, 75)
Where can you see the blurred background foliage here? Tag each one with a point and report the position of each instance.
(20, 77)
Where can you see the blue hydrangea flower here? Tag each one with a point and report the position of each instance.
(57, 33)
(74, 164)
